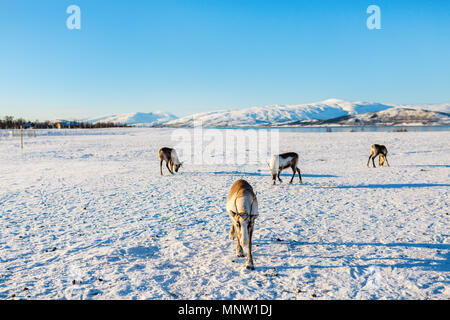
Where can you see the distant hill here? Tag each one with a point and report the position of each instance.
(442, 107)
(391, 117)
(278, 115)
(328, 111)
(135, 118)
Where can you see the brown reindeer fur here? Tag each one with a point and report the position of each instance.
(242, 208)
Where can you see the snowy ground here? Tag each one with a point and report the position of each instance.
(89, 216)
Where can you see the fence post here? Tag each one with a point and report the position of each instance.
(21, 137)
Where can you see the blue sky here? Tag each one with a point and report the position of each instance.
(192, 56)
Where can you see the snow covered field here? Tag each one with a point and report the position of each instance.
(90, 217)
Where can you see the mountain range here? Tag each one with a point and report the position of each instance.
(327, 112)
(388, 117)
(134, 119)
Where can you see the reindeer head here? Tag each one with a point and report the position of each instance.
(177, 166)
(273, 170)
(244, 221)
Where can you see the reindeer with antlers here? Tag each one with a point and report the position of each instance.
(242, 207)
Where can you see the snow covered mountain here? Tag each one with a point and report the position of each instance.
(135, 118)
(442, 107)
(402, 116)
(278, 115)
(389, 117)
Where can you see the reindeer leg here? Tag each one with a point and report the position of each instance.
(368, 161)
(239, 251)
(293, 175)
(279, 172)
(387, 162)
(167, 165)
(232, 233)
(274, 179)
(299, 175)
(160, 166)
(373, 161)
(249, 264)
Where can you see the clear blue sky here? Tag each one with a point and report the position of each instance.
(190, 56)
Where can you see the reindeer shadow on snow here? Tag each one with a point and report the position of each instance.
(439, 263)
(388, 186)
(262, 174)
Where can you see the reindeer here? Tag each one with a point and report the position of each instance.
(242, 207)
(284, 161)
(378, 150)
(170, 156)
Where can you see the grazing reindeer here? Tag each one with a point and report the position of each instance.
(170, 156)
(378, 150)
(284, 161)
(242, 207)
